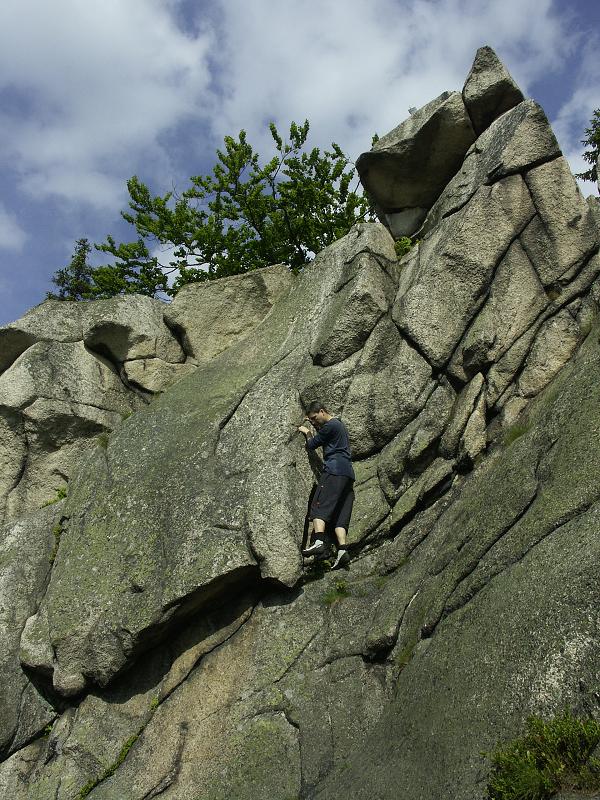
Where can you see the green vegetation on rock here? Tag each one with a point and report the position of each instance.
(61, 493)
(551, 756)
(242, 216)
(403, 245)
(85, 790)
(514, 432)
(337, 592)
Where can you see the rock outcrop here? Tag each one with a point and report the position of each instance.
(163, 639)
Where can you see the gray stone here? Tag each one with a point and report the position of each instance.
(439, 472)
(456, 264)
(474, 439)
(408, 167)
(461, 412)
(515, 300)
(414, 447)
(51, 321)
(155, 375)
(57, 398)
(489, 90)
(128, 327)
(211, 316)
(564, 233)
(389, 368)
(28, 547)
(554, 345)
(405, 223)
(518, 140)
(356, 309)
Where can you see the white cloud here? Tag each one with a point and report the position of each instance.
(92, 88)
(93, 85)
(575, 115)
(355, 68)
(12, 235)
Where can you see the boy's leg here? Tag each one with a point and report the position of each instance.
(342, 522)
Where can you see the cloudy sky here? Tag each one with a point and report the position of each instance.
(92, 93)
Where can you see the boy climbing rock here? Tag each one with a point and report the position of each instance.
(334, 496)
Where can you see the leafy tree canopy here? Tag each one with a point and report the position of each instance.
(242, 216)
(592, 141)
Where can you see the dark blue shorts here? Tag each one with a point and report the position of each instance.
(333, 500)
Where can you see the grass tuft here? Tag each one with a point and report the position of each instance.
(337, 592)
(552, 756)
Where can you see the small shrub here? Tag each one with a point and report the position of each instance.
(60, 495)
(403, 245)
(337, 592)
(513, 433)
(552, 756)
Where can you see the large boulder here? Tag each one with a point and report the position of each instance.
(489, 90)
(408, 168)
(211, 316)
(519, 140)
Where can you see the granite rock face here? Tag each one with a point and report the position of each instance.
(161, 638)
(70, 372)
(489, 90)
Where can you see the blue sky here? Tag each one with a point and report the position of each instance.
(92, 93)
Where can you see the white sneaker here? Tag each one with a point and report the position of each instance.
(316, 548)
(342, 559)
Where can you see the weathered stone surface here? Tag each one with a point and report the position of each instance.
(456, 264)
(474, 439)
(389, 368)
(51, 321)
(515, 301)
(370, 505)
(357, 308)
(210, 317)
(519, 140)
(461, 412)
(437, 473)
(564, 233)
(413, 448)
(489, 90)
(155, 375)
(56, 398)
(128, 327)
(554, 345)
(408, 167)
(27, 547)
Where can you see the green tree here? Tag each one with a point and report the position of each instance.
(75, 282)
(592, 141)
(241, 216)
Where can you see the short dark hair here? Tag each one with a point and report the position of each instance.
(315, 407)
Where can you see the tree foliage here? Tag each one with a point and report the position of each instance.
(592, 141)
(74, 282)
(241, 216)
